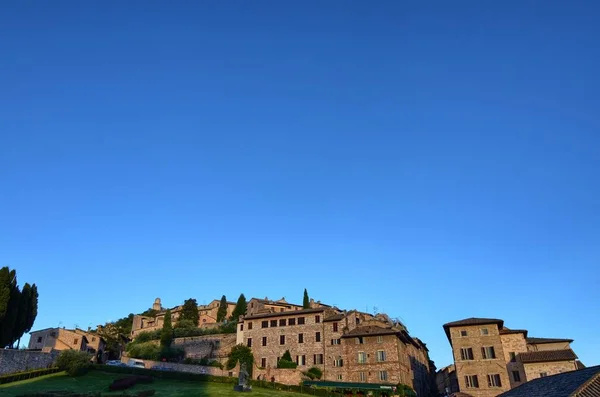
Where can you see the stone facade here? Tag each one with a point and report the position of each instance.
(491, 359)
(58, 339)
(346, 346)
(446, 381)
(12, 361)
(207, 316)
(537, 370)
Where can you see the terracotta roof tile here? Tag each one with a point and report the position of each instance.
(548, 355)
(370, 330)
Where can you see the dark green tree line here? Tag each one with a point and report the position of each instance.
(18, 308)
(189, 312)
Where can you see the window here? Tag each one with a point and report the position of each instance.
(300, 338)
(265, 324)
(516, 376)
(249, 342)
(282, 322)
(318, 337)
(380, 339)
(335, 341)
(471, 381)
(484, 331)
(282, 339)
(318, 359)
(357, 320)
(362, 357)
(302, 360)
(362, 376)
(249, 325)
(264, 340)
(39, 339)
(93, 339)
(463, 333)
(273, 323)
(75, 341)
(339, 377)
(383, 375)
(282, 309)
(338, 362)
(494, 380)
(513, 357)
(466, 353)
(488, 352)
(380, 355)
(359, 340)
(263, 362)
(317, 319)
(300, 320)
(53, 334)
(241, 327)
(335, 327)
(292, 321)
(543, 374)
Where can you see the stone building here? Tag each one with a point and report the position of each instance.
(347, 346)
(491, 359)
(207, 316)
(50, 339)
(446, 380)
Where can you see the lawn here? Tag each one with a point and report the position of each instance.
(97, 381)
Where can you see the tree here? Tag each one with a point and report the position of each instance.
(286, 356)
(166, 335)
(240, 308)
(189, 311)
(305, 301)
(18, 309)
(242, 354)
(222, 312)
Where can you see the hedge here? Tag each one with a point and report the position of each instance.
(186, 376)
(27, 375)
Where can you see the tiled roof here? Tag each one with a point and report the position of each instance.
(471, 321)
(460, 394)
(548, 355)
(581, 383)
(538, 341)
(505, 331)
(474, 321)
(284, 314)
(370, 330)
(335, 317)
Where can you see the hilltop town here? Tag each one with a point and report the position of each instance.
(290, 343)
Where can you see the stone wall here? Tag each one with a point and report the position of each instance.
(12, 361)
(194, 369)
(533, 370)
(514, 343)
(281, 375)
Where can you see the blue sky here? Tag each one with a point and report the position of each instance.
(436, 161)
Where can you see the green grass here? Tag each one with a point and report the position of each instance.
(97, 381)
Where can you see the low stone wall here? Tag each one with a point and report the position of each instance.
(12, 361)
(194, 369)
(287, 376)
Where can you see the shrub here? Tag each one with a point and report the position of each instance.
(286, 364)
(75, 362)
(185, 324)
(216, 364)
(146, 336)
(146, 393)
(122, 383)
(171, 354)
(313, 373)
(145, 350)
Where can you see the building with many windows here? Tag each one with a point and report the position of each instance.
(490, 359)
(348, 346)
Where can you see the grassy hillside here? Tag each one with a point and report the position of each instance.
(97, 381)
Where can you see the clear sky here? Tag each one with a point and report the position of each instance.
(433, 160)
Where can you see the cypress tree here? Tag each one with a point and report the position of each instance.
(306, 301)
(166, 335)
(240, 308)
(222, 312)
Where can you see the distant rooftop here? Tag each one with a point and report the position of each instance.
(539, 341)
(548, 356)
